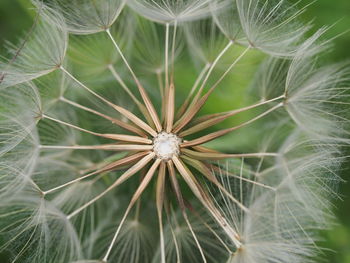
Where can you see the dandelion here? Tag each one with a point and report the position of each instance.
(109, 153)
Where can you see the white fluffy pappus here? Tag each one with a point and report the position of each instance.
(41, 51)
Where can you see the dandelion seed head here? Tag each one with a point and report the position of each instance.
(84, 134)
(166, 145)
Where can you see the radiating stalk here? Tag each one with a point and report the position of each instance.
(219, 156)
(184, 106)
(142, 91)
(122, 84)
(198, 103)
(234, 63)
(173, 53)
(179, 197)
(106, 168)
(224, 172)
(173, 234)
(140, 106)
(198, 165)
(118, 137)
(160, 83)
(213, 119)
(159, 204)
(106, 147)
(130, 172)
(170, 107)
(212, 66)
(120, 123)
(166, 64)
(212, 231)
(214, 135)
(137, 194)
(206, 201)
(132, 117)
(190, 113)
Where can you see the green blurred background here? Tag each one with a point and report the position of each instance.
(16, 18)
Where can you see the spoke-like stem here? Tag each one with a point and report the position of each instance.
(206, 201)
(211, 230)
(214, 135)
(137, 194)
(184, 106)
(142, 91)
(190, 113)
(219, 156)
(108, 167)
(234, 63)
(106, 147)
(70, 125)
(163, 95)
(170, 107)
(213, 119)
(211, 177)
(118, 137)
(203, 149)
(130, 172)
(132, 117)
(194, 236)
(122, 84)
(197, 103)
(141, 107)
(212, 66)
(120, 123)
(160, 83)
(173, 234)
(175, 184)
(173, 53)
(166, 63)
(223, 172)
(159, 204)
(180, 199)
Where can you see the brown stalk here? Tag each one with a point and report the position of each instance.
(175, 184)
(202, 168)
(107, 147)
(141, 107)
(121, 110)
(219, 156)
(214, 135)
(212, 119)
(190, 113)
(159, 204)
(127, 138)
(212, 66)
(120, 123)
(180, 199)
(198, 103)
(141, 89)
(109, 167)
(144, 183)
(125, 161)
(206, 201)
(184, 106)
(132, 117)
(170, 106)
(118, 137)
(130, 172)
(200, 148)
(150, 108)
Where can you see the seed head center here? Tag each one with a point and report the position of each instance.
(166, 145)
